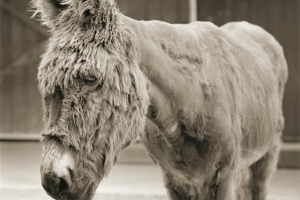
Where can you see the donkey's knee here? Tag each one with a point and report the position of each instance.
(224, 185)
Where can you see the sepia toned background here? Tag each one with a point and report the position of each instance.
(22, 42)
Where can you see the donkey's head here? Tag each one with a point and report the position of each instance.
(94, 94)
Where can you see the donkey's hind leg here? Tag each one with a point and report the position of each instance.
(262, 171)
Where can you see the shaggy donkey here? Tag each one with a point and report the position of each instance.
(205, 100)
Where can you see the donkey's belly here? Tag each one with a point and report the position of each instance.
(255, 146)
(249, 157)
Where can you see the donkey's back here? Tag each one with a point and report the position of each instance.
(251, 35)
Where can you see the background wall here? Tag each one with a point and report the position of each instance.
(172, 11)
(22, 42)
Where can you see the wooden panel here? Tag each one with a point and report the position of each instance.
(5, 82)
(133, 8)
(21, 100)
(5, 37)
(6, 105)
(259, 13)
(154, 9)
(183, 10)
(281, 19)
(275, 19)
(34, 106)
(18, 45)
(172, 11)
(241, 10)
(20, 104)
(289, 156)
(290, 42)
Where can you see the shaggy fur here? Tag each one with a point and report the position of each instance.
(212, 98)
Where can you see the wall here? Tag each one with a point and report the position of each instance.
(21, 42)
(172, 11)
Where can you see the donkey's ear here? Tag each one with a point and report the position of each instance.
(49, 10)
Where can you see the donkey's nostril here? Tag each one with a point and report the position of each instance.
(55, 185)
(63, 184)
(71, 174)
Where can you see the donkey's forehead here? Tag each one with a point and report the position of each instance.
(74, 40)
(61, 65)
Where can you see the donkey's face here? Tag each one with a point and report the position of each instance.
(94, 97)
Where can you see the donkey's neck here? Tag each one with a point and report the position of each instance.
(175, 88)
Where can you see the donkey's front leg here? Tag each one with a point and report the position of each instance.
(224, 186)
(176, 194)
(176, 191)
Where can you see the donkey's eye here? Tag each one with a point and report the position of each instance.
(88, 80)
(84, 80)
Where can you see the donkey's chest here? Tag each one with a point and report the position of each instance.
(189, 161)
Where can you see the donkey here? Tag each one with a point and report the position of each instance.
(206, 101)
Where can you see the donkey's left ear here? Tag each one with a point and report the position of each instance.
(49, 10)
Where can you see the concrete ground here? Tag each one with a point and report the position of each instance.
(20, 179)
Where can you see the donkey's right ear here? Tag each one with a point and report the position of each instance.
(48, 10)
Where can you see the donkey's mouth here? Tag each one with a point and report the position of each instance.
(86, 194)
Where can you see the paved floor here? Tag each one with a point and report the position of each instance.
(20, 180)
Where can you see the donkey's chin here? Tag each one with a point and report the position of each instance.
(87, 193)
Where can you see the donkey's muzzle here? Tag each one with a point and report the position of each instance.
(57, 171)
(56, 185)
